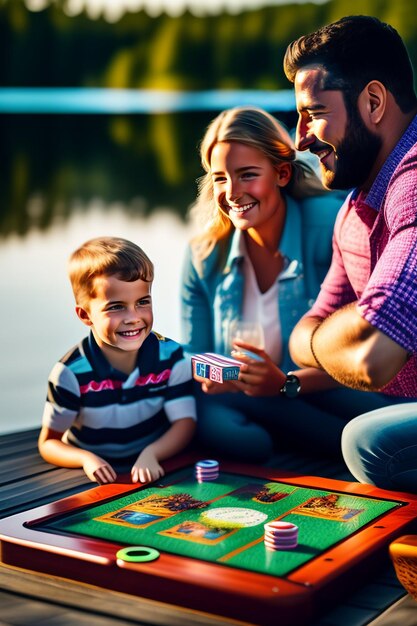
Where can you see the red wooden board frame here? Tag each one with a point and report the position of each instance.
(210, 587)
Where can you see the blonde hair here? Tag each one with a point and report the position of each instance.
(106, 256)
(256, 128)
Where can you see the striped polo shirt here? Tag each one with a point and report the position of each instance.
(116, 415)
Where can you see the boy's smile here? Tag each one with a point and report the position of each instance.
(120, 316)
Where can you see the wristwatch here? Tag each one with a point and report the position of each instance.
(292, 386)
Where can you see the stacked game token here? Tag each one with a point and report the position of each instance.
(280, 536)
(206, 470)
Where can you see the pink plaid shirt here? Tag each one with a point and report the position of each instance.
(375, 257)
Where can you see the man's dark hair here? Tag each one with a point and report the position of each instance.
(354, 51)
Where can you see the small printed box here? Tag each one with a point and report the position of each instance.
(215, 367)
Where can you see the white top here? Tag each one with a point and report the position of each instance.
(262, 307)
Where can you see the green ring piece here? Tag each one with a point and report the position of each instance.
(143, 554)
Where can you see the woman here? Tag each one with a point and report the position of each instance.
(264, 248)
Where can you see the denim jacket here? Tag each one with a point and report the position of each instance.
(215, 293)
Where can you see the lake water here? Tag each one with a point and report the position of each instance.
(69, 177)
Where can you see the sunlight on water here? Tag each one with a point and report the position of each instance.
(40, 324)
(101, 100)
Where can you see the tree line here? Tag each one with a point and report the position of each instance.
(243, 51)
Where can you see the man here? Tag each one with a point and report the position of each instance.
(357, 112)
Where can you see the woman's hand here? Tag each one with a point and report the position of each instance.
(258, 376)
(211, 387)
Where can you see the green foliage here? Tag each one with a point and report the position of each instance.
(49, 48)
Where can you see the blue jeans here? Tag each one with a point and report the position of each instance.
(244, 428)
(380, 447)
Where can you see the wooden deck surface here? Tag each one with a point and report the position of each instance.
(30, 599)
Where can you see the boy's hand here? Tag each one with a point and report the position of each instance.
(98, 470)
(146, 468)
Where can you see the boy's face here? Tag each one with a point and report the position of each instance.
(120, 315)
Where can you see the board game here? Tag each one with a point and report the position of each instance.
(200, 544)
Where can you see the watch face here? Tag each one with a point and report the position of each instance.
(292, 386)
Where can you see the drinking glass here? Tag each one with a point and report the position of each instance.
(249, 332)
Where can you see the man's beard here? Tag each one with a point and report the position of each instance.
(355, 156)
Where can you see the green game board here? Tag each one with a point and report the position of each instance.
(223, 521)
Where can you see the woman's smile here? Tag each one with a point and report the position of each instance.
(241, 208)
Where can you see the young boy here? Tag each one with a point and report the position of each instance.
(123, 396)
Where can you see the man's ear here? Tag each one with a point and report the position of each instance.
(284, 172)
(83, 315)
(372, 102)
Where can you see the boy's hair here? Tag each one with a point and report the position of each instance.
(106, 256)
(354, 51)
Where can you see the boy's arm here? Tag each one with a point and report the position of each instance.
(53, 450)
(175, 439)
